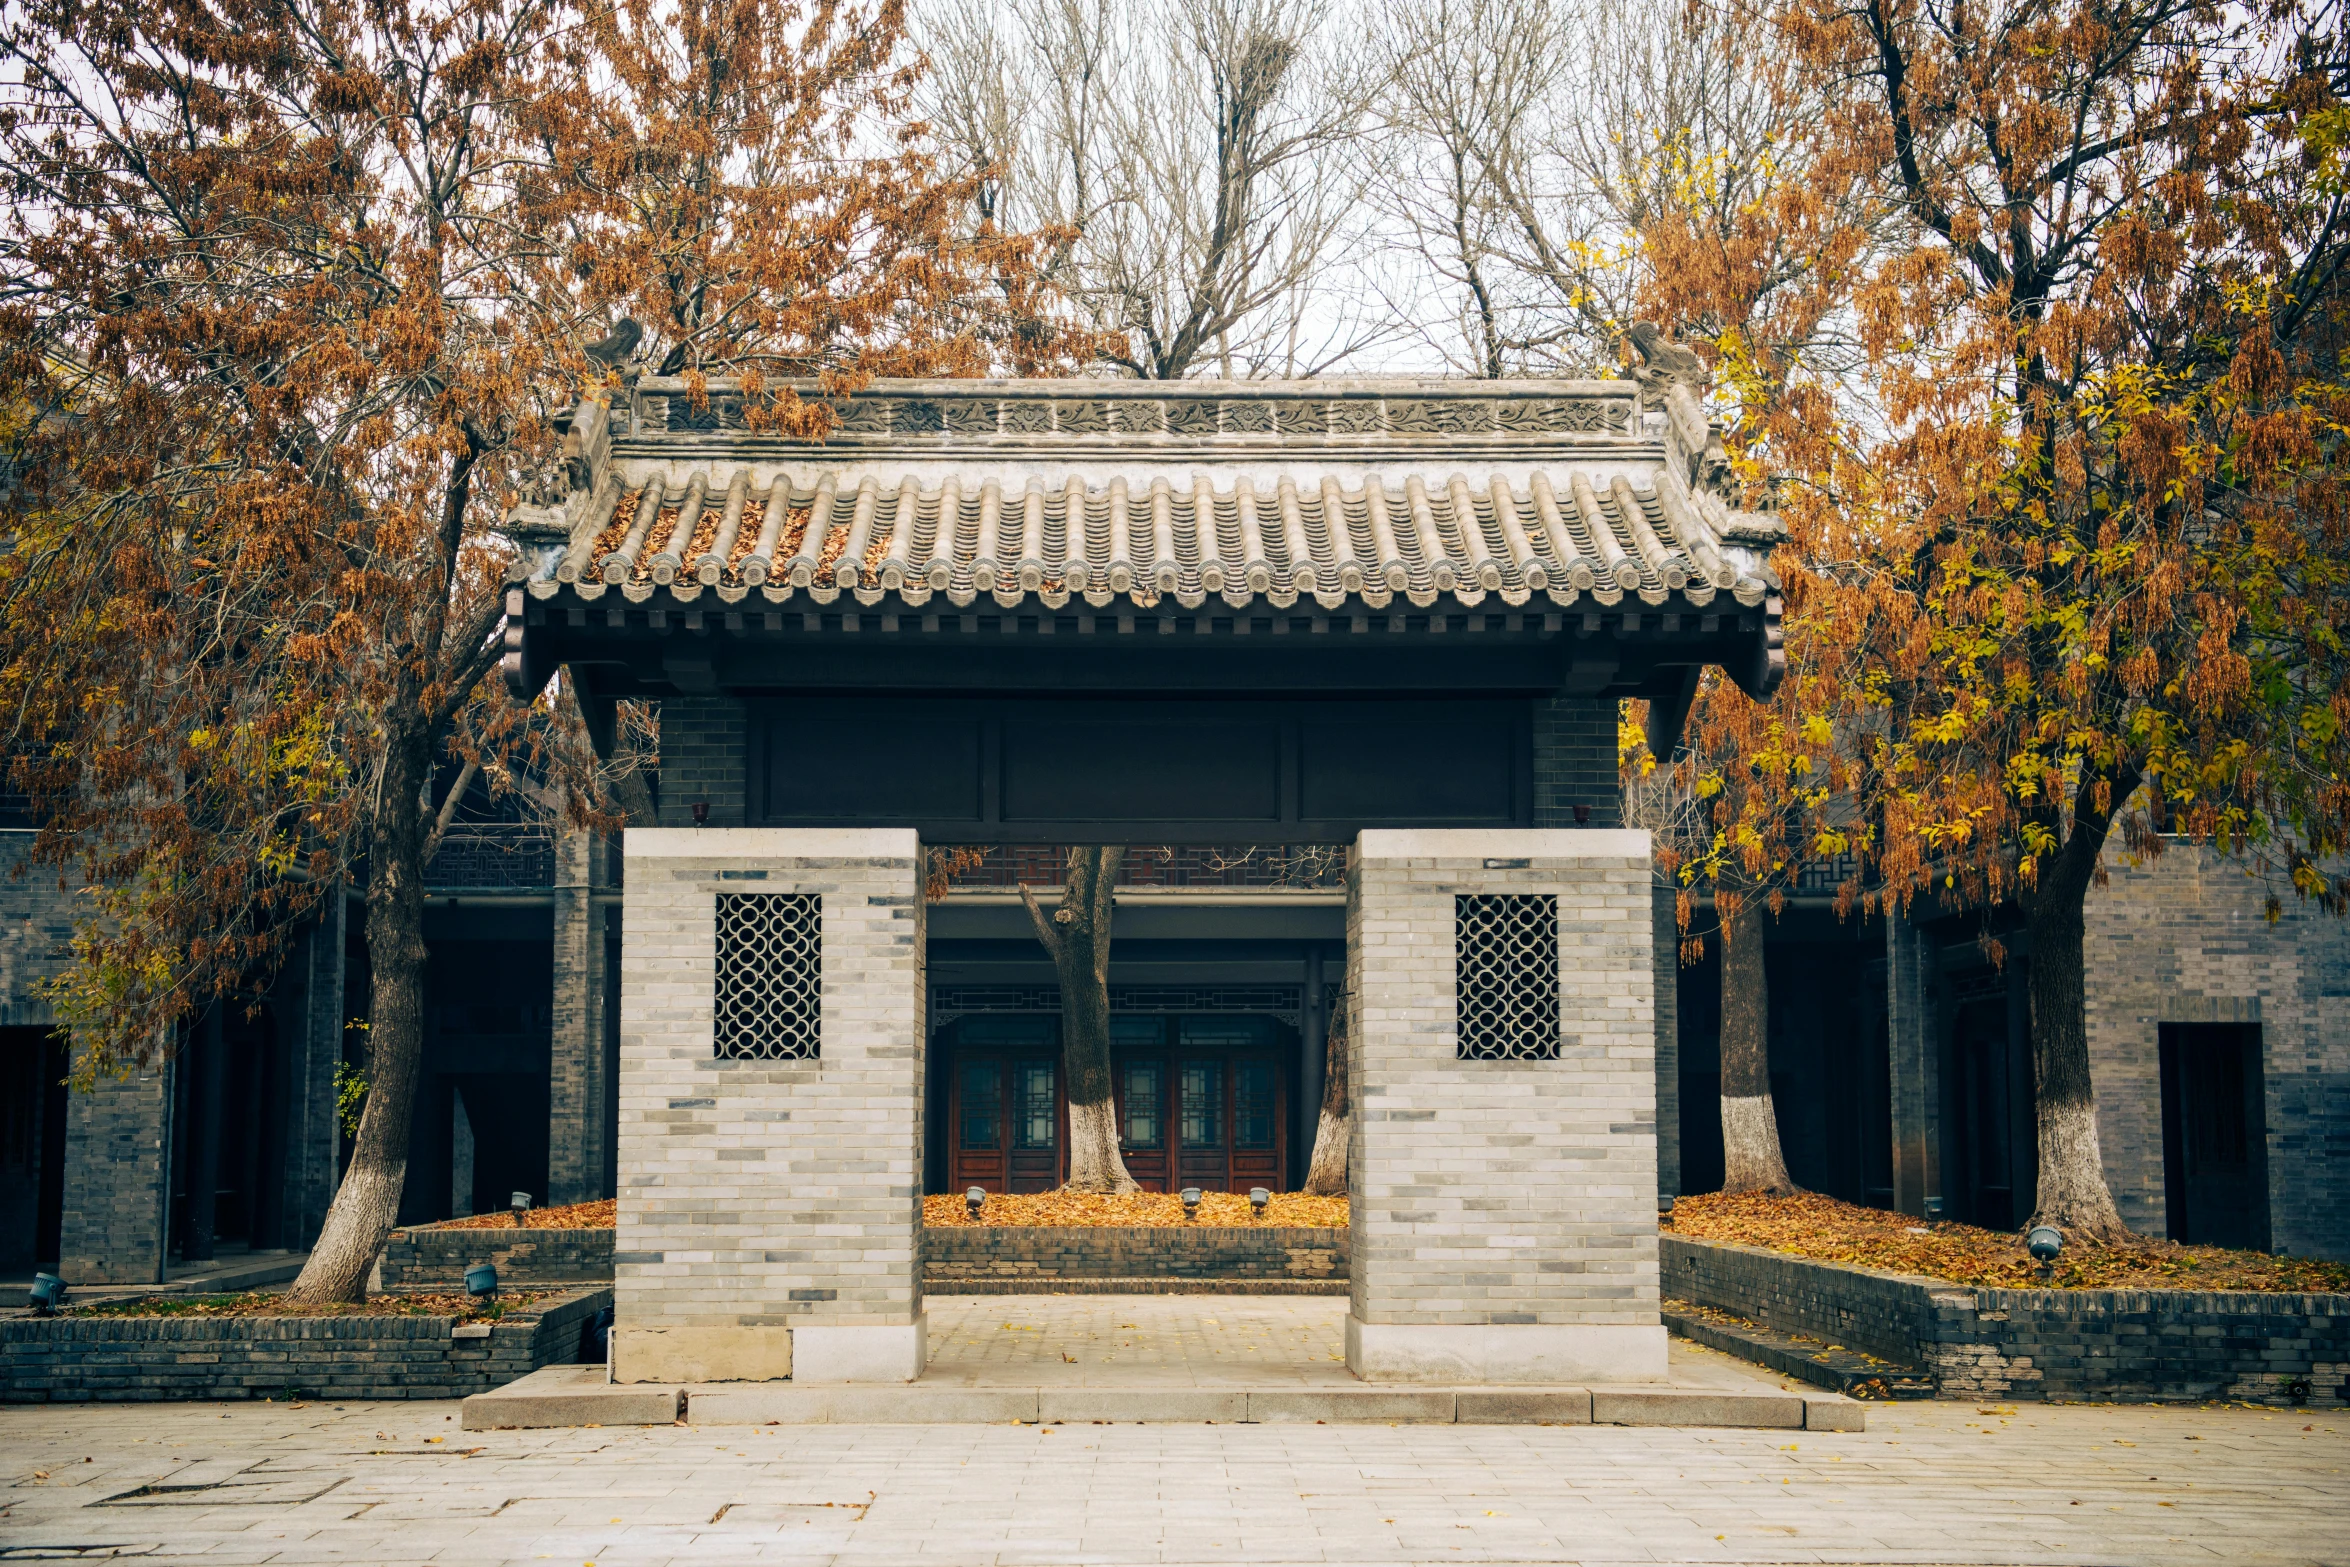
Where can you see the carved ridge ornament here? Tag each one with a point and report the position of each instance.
(1076, 420)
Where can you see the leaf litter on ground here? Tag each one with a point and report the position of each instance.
(1809, 1224)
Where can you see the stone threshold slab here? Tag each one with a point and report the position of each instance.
(578, 1396)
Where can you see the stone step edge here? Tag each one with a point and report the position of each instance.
(1144, 1284)
(1845, 1371)
(570, 1398)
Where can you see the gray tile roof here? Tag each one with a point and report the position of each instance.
(1338, 493)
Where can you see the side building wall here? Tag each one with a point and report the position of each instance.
(2186, 939)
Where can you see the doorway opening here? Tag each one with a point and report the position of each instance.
(2214, 1134)
(1203, 1099)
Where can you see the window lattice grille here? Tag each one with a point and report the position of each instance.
(770, 971)
(1506, 947)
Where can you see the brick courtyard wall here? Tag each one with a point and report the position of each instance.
(2036, 1344)
(770, 1210)
(705, 741)
(525, 1259)
(79, 1360)
(116, 1135)
(1504, 1211)
(1048, 1253)
(2185, 939)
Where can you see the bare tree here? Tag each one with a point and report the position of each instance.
(1197, 162)
(1534, 147)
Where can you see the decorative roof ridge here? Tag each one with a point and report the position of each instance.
(1125, 389)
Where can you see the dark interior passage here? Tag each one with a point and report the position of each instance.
(2214, 1134)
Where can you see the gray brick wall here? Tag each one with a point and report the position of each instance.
(2037, 1344)
(576, 1096)
(705, 746)
(117, 1150)
(1502, 1192)
(79, 1360)
(1049, 1253)
(425, 1257)
(771, 1194)
(36, 930)
(1575, 760)
(2184, 939)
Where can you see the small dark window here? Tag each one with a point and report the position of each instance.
(1506, 948)
(1252, 1104)
(1203, 1104)
(769, 995)
(983, 1092)
(1036, 1104)
(1143, 1110)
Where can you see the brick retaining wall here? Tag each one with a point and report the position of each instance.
(525, 1259)
(2036, 1344)
(1046, 1254)
(68, 1360)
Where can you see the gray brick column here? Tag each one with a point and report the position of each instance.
(1666, 952)
(1504, 1211)
(117, 1148)
(1911, 1068)
(575, 1082)
(771, 1210)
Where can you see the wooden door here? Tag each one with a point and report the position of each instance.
(1202, 1122)
(976, 1129)
(1142, 1120)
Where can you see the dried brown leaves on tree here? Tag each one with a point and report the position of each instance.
(2070, 533)
(292, 294)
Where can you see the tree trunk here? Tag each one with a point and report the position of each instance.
(367, 1203)
(1077, 934)
(1751, 1161)
(2073, 1195)
(1326, 1176)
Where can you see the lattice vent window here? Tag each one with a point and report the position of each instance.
(1506, 947)
(770, 972)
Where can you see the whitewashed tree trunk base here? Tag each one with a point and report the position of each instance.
(1094, 1161)
(1751, 1161)
(1326, 1176)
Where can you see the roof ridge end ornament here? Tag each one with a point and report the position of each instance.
(1676, 379)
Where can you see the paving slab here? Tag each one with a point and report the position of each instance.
(1351, 1405)
(560, 1396)
(1653, 1406)
(1509, 1406)
(838, 1404)
(1142, 1405)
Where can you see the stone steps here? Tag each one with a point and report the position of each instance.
(579, 1396)
(1840, 1370)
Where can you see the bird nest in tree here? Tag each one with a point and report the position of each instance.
(1810, 1225)
(573, 1216)
(1096, 1210)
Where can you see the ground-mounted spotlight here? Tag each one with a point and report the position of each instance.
(2045, 1241)
(520, 1202)
(975, 1199)
(48, 1294)
(1191, 1202)
(1257, 1198)
(481, 1281)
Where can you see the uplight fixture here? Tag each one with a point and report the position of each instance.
(481, 1281)
(2045, 1241)
(520, 1202)
(975, 1199)
(1191, 1202)
(48, 1294)
(1257, 1198)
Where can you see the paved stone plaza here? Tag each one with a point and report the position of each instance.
(1927, 1483)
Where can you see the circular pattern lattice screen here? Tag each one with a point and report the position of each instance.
(1506, 947)
(770, 971)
